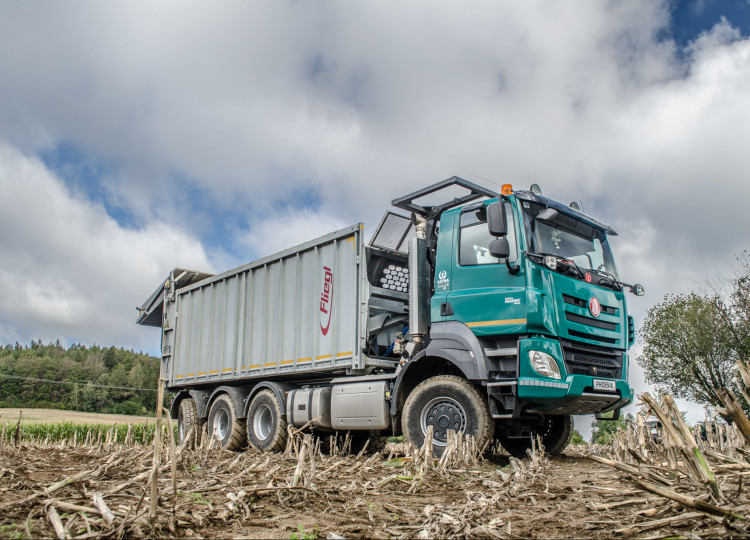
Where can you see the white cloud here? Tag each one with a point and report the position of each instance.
(251, 104)
(371, 94)
(68, 270)
(287, 228)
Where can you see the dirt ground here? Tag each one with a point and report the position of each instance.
(54, 416)
(254, 495)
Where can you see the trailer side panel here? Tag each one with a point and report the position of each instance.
(294, 312)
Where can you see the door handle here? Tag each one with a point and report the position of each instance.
(446, 309)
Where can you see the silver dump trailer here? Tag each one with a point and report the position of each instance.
(278, 327)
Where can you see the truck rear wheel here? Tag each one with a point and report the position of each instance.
(373, 439)
(446, 403)
(224, 424)
(555, 432)
(187, 419)
(266, 426)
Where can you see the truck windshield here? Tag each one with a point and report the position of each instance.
(567, 237)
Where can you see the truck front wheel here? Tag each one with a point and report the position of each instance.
(224, 424)
(266, 426)
(187, 419)
(446, 403)
(555, 432)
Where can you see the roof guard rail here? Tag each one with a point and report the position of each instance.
(432, 212)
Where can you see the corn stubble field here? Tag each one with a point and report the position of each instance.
(108, 483)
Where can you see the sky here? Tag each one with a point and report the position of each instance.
(139, 136)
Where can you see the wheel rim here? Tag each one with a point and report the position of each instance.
(544, 429)
(221, 424)
(443, 414)
(263, 422)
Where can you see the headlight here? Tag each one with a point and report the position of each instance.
(551, 262)
(544, 364)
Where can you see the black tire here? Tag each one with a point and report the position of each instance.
(187, 419)
(555, 432)
(446, 402)
(223, 421)
(377, 442)
(266, 426)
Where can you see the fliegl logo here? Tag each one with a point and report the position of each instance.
(326, 300)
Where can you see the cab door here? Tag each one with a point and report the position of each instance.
(484, 295)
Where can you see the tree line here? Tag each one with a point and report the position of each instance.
(90, 379)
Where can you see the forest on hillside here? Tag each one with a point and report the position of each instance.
(90, 379)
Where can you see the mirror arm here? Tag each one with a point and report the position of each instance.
(512, 268)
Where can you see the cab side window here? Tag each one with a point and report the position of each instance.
(474, 239)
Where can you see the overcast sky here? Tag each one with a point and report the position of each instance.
(140, 136)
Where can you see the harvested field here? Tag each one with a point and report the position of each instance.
(44, 416)
(644, 489)
(224, 494)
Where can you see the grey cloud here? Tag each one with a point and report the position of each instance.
(252, 103)
(68, 270)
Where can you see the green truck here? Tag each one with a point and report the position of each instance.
(497, 315)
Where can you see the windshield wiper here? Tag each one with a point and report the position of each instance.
(561, 262)
(610, 282)
(572, 263)
(564, 264)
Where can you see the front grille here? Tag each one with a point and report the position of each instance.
(583, 304)
(588, 321)
(593, 360)
(594, 324)
(631, 330)
(602, 339)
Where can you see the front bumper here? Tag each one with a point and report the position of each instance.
(572, 394)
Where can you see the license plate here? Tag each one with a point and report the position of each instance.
(604, 386)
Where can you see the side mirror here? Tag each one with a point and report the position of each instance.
(496, 220)
(547, 214)
(500, 248)
(638, 289)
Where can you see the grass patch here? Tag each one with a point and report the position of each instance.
(303, 534)
(11, 531)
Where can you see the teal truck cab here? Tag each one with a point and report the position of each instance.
(493, 315)
(525, 303)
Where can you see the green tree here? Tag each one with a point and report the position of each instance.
(686, 351)
(577, 438)
(602, 431)
(110, 358)
(734, 309)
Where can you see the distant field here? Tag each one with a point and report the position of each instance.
(34, 416)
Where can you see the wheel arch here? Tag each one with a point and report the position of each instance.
(425, 365)
(200, 397)
(279, 389)
(237, 394)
